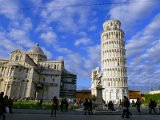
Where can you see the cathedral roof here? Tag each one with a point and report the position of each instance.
(67, 72)
(36, 50)
(13, 64)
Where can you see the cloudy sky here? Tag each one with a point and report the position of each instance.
(71, 29)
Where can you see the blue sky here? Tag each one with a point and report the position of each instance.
(71, 29)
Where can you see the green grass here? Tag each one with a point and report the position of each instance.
(35, 105)
(31, 105)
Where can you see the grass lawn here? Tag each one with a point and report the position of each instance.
(35, 105)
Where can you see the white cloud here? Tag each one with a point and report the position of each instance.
(49, 37)
(26, 24)
(43, 27)
(132, 11)
(83, 41)
(92, 28)
(5, 43)
(80, 64)
(143, 54)
(48, 53)
(143, 39)
(16, 33)
(82, 33)
(69, 18)
(63, 50)
(93, 59)
(20, 37)
(9, 8)
(36, 2)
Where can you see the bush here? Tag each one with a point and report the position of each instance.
(155, 97)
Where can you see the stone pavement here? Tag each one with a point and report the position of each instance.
(80, 111)
(29, 114)
(21, 116)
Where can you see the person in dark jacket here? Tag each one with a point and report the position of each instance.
(66, 105)
(126, 105)
(138, 105)
(2, 106)
(90, 107)
(110, 106)
(55, 103)
(62, 105)
(86, 106)
(152, 106)
(10, 105)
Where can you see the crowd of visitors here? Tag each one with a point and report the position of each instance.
(5, 105)
(88, 106)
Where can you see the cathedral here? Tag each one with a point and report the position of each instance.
(113, 74)
(31, 75)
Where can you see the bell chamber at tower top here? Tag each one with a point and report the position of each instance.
(112, 25)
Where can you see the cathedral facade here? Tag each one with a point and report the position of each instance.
(113, 60)
(31, 75)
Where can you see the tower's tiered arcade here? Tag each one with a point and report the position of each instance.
(113, 59)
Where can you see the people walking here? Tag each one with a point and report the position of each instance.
(152, 106)
(2, 106)
(138, 105)
(126, 105)
(62, 105)
(120, 104)
(86, 106)
(40, 102)
(6, 103)
(66, 104)
(110, 106)
(90, 107)
(55, 103)
(10, 105)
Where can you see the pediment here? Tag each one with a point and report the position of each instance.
(17, 51)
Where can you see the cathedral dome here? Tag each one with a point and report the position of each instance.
(36, 50)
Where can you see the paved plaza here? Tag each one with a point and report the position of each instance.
(21, 116)
(78, 115)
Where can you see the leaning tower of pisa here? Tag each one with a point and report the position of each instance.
(113, 59)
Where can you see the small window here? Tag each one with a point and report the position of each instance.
(54, 66)
(53, 79)
(48, 66)
(27, 70)
(17, 57)
(44, 79)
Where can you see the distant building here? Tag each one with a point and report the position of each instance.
(81, 94)
(31, 75)
(154, 92)
(68, 85)
(134, 94)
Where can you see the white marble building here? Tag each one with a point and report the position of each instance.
(31, 75)
(113, 60)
